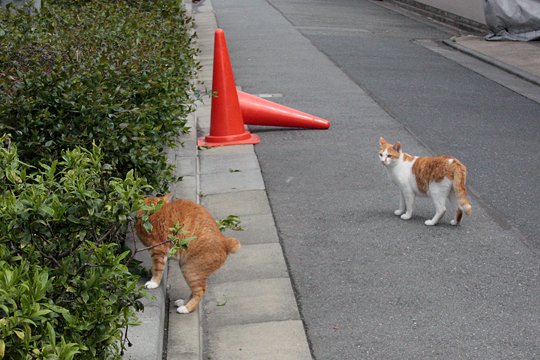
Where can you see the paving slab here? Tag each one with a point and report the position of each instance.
(261, 261)
(232, 181)
(184, 340)
(223, 151)
(185, 166)
(249, 302)
(231, 163)
(252, 202)
(184, 190)
(283, 340)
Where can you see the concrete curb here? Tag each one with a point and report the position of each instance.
(150, 339)
(490, 60)
(147, 338)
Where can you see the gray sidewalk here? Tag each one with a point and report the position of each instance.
(249, 311)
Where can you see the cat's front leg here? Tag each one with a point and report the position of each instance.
(158, 265)
(401, 209)
(409, 204)
(151, 284)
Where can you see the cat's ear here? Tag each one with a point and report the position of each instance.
(382, 141)
(397, 147)
(167, 198)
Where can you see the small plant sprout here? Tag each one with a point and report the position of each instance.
(221, 300)
(179, 238)
(230, 222)
(147, 211)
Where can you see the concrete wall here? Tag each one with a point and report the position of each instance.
(36, 3)
(469, 9)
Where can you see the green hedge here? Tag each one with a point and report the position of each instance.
(64, 282)
(91, 92)
(118, 73)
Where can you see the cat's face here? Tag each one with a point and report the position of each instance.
(389, 153)
(152, 201)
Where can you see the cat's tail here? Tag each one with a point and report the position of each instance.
(233, 245)
(460, 177)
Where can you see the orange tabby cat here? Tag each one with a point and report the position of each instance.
(439, 177)
(205, 254)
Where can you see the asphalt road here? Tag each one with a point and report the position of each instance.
(369, 285)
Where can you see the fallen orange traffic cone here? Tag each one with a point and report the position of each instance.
(226, 123)
(257, 111)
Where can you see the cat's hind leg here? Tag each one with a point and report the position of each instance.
(459, 216)
(197, 283)
(439, 193)
(196, 297)
(440, 209)
(459, 212)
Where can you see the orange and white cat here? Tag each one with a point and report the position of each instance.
(439, 177)
(205, 254)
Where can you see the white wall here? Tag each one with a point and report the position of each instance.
(37, 3)
(470, 9)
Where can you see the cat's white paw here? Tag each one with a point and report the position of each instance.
(406, 216)
(151, 285)
(398, 212)
(454, 222)
(182, 310)
(430, 222)
(179, 302)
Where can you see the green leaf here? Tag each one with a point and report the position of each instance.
(20, 334)
(230, 222)
(52, 334)
(48, 210)
(40, 313)
(148, 227)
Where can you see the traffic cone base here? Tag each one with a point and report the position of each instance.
(241, 139)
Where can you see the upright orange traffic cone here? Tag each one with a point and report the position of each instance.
(257, 111)
(226, 123)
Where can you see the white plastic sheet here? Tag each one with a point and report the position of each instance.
(513, 19)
